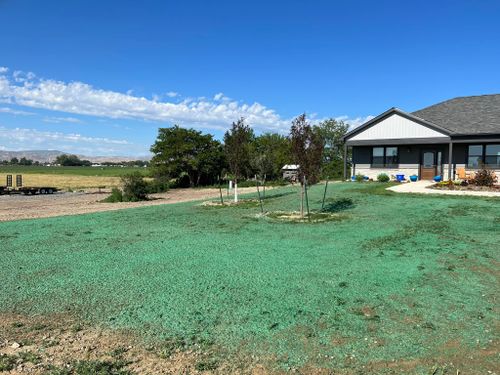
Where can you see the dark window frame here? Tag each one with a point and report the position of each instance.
(482, 156)
(385, 163)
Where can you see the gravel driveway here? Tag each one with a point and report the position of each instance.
(17, 207)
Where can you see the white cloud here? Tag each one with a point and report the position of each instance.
(22, 77)
(3, 69)
(83, 99)
(58, 120)
(354, 122)
(15, 111)
(172, 94)
(25, 89)
(29, 139)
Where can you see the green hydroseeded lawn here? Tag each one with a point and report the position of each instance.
(397, 277)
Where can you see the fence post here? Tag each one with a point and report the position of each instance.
(324, 194)
(307, 199)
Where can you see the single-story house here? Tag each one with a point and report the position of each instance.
(434, 141)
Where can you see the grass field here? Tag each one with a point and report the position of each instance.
(69, 177)
(72, 171)
(405, 278)
(66, 182)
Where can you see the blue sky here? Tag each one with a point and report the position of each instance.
(100, 77)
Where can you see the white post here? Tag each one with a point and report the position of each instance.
(235, 192)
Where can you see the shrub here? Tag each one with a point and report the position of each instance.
(158, 185)
(383, 177)
(360, 177)
(450, 184)
(134, 188)
(484, 177)
(116, 196)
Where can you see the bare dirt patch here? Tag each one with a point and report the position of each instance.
(39, 345)
(59, 344)
(17, 207)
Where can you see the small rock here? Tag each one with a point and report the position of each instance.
(15, 345)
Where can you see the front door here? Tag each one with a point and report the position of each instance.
(428, 165)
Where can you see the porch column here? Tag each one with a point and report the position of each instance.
(450, 159)
(345, 161)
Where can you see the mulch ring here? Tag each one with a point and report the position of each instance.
(231, 203)
(296, 217)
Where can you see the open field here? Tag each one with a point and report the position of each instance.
(69, 177)
(66, 182)
(73, 178)
(396, 284)
(72, 171)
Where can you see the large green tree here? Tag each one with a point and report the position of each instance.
(25, 161)
(68, 160)
(238, 149)
(332, 131)
(182, 152)
(271, 151)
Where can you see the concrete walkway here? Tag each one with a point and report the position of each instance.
(421, 187)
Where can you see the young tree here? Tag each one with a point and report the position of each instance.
(178, 151)
(237, 146)
(307, 148)
(307, 151)
(332, 131)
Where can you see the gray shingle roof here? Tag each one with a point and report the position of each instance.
(465, 115)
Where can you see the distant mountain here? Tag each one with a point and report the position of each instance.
(43, 156)
(48, 156)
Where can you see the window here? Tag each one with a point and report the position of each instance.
(391, 156)
(487, 155)
(384, 157)
(475, 157)
(492, 156)
(378, 157)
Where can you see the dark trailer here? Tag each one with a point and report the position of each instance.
(9, 189)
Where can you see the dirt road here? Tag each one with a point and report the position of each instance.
(18, 207)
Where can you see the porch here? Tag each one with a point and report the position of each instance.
(425, 160)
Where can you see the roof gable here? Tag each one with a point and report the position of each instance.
(396, 124)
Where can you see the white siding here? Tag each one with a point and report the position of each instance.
(396, 127)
